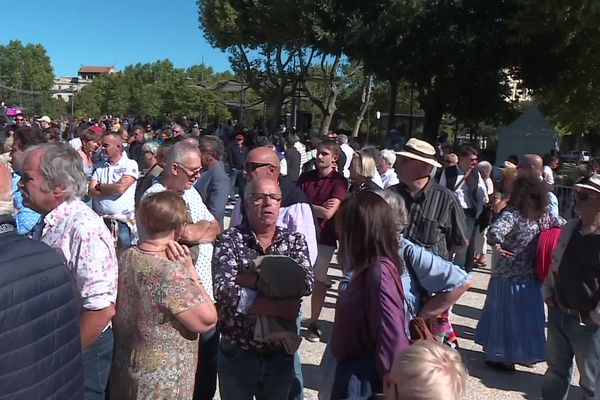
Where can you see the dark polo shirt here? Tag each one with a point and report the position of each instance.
(578, 281)
(436, 220)
(319, 190)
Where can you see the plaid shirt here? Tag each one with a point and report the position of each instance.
(235, 251)
(436, 220)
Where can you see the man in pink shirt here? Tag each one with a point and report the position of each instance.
(53, 184)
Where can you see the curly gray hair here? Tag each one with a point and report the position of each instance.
(396, 202)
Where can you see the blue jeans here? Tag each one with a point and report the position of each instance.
(567, 338)
(244, 374)
(97, 360)
(297, 389)
(125, 236)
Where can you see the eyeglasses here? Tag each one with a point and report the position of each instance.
(252, 166)
(190, 172)
(261, 198)
(584, 196)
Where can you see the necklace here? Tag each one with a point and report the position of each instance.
(158, 249)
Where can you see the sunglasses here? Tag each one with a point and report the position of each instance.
(190, 172)
(584, 196)
(252, 166)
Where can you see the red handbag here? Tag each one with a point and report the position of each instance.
(546, 244)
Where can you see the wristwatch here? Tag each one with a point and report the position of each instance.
(97, 187)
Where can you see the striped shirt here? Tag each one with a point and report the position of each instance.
(436, 220)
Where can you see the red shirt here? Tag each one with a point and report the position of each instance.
(320, 189)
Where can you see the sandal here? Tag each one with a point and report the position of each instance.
(480, 263)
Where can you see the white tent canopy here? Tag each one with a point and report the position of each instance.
(530, 133)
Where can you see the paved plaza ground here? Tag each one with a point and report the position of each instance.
(484, 383)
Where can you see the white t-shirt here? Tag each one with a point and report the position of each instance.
(548, 175)
(197, 212)
(105, 173)
(349, 152)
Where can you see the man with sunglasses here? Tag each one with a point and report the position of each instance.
(20, 121)
(572, 294)
(113, 189)
(471, 191)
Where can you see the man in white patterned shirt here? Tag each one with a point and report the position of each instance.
(182, 168)
(52, 184)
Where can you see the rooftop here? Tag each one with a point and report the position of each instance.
(88, 69)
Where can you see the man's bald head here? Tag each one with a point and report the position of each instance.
(264, 162)
(532, 162)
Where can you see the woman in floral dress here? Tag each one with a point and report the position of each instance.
(511, 328)
(161, 308)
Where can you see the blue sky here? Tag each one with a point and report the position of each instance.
(112, 32)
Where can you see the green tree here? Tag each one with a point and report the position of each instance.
(559, 60)
(447, 50)
(26, 75)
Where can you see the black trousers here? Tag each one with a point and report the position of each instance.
(205, 386)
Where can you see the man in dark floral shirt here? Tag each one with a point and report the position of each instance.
(249, 367)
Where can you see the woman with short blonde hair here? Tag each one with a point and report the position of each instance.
(427, 370)
(363, 168)
(162, 305)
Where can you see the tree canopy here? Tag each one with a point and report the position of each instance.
(155, 89)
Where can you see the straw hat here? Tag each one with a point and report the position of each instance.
(592, 183)
(420, 150)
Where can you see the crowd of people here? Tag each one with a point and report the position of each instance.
(122, 278)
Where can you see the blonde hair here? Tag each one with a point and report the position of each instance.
(429, 370)
(363, 164)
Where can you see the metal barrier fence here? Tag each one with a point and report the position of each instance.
(565, 200)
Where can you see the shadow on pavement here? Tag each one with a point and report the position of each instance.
(464, 332)
(466, 311)
(477, 290)
(526, 382)
(311, 375)
(520, 381)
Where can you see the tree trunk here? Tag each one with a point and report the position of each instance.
(330, 109)
(433, 118)
(365, 99)
(392, 109)
(274, 104)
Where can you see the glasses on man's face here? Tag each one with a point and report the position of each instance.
(188, 171)
(261, 198)
(585, 196)
(253, 166)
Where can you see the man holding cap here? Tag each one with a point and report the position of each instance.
(572, 293)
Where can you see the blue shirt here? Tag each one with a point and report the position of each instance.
(26, 218)
(427, 274)
(424, 273)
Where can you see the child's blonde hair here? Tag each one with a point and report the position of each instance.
(429, 370)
